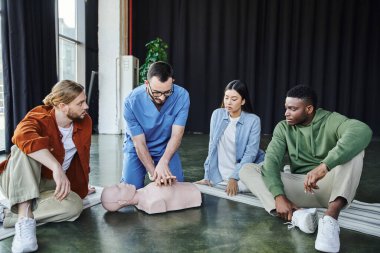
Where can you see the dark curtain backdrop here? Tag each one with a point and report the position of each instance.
(92, 65)
(272, 45)
(29, 57)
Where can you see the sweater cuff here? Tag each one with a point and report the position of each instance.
(277, 190)
(329, 163)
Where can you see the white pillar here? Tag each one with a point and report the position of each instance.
(109, 53)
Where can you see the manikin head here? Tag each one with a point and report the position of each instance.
(159, 83)
(117, 196)
(68, 97)
(300, 105)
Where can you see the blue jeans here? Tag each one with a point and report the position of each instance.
(134, 171)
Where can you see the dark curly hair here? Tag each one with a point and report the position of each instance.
(305, 93)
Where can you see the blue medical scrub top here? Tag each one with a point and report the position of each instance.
(142, 117)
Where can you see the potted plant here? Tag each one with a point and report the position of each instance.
(157, 51)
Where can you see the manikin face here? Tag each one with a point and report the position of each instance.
(297, 112)
(124, 192)
(159, 91)
(233, 102)
(77, 109)
(117, 196)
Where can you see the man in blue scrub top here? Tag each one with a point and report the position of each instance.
(156, 115)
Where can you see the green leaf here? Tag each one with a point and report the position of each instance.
(157, 51)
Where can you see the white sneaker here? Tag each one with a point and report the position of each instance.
(328, 235)
(305, 219)
(2, 212)
(25, 238)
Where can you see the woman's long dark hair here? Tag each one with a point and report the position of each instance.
(242, 89)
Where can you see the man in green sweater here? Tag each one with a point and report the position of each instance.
(326, 151)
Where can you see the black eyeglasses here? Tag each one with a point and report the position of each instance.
(157, 94)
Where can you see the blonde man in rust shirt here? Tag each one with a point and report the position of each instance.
(46, 174)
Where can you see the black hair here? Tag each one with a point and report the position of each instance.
(305, 93)
(162, 70)
(242, 89)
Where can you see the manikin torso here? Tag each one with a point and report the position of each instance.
(159, 199)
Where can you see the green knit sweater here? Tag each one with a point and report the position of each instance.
(330, 138)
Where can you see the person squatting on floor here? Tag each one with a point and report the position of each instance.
(155, 115)
(234, 140)
(47, 173)
(326, 151)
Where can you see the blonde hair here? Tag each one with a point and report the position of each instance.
(64, 91)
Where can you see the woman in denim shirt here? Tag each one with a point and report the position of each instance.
(234, 140)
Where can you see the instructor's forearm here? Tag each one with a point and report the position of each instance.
(46, 158)
(144, 155)
(174, 143)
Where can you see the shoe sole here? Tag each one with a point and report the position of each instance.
(324, 248)
(30, 250)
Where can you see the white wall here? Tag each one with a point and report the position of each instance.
(109, 52)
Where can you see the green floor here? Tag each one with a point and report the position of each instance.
(218, 226)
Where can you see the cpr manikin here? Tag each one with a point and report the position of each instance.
(151, 198)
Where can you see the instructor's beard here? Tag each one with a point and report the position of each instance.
(75, 116)
(154, 100)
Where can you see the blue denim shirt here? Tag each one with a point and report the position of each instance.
(247, 141)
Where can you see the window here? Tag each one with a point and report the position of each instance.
(71, 50)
